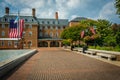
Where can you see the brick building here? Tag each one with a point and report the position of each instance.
(37, 32)
(76, 21)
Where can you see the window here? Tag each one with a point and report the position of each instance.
(47, 22)
(26, 20)
(56, 34)
(63, 27)
(30, 33)
(2, 43)
(40, 27)
(30, 26)
(29, 43)
(3, 25)
(40, 34)
(51, 34)
(53, 22)
(46, 27)
(3, 33)
(23, 33)
(51, 27)
(9, 43)
(15, 44)
(56, 27)
(43, 27)
(42, 22)
(32, 20)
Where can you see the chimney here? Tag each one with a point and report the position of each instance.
(33, 12)
(7, 10)
(56, 15)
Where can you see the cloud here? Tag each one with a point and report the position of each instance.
(109, 12)
(68, 9)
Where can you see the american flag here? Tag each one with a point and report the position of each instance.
(82, 34)
(15, 30)
(92, 30)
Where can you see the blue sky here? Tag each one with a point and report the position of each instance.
(67, 9)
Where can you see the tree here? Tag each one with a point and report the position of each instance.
(72, 33)
(118, 38)
(104, 29)
(117, 5)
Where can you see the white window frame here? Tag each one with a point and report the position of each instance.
(3, 25)
(2, 43)
(30, 26)
(40, 34)
(3, 33)
(30, 33)
(9, 43)
(15, 44)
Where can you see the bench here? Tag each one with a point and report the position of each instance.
(90, 52)
(80, 50)
(106, 55)
(75, 49)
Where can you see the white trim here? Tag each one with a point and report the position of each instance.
(10, 38)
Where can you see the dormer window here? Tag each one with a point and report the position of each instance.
(32, 20)
(26, 20)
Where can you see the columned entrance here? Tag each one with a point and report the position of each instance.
(49, 43)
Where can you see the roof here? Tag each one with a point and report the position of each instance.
(27, 19)
(78, 19)
(53, 21)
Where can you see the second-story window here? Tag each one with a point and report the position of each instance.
(30, 26)
(23, 33)
(30, 33)
(3, 25)
(3, 33)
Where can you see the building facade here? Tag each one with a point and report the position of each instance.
(37, 32)
(76, 21)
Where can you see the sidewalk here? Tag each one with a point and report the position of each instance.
(117, 63)
(59, 64)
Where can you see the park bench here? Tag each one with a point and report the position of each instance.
(75, 49)
(90, 52)
(80, 50)
(106, 55)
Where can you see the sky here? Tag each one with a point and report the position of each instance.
(67, 9)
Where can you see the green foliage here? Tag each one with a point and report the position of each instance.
(66, 42)
(72, 33)
(110, 40)
(118, 38)
(117, 5)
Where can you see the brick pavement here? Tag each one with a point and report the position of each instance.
(58, 64)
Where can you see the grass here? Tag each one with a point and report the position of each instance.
(117, 48)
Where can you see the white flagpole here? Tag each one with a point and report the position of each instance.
(18, 28)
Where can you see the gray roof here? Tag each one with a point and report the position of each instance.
(77, 19)
(53, 21)
(27, 19)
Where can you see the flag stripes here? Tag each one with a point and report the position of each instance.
(16, 28)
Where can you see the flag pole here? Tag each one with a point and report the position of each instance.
(18, 28)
